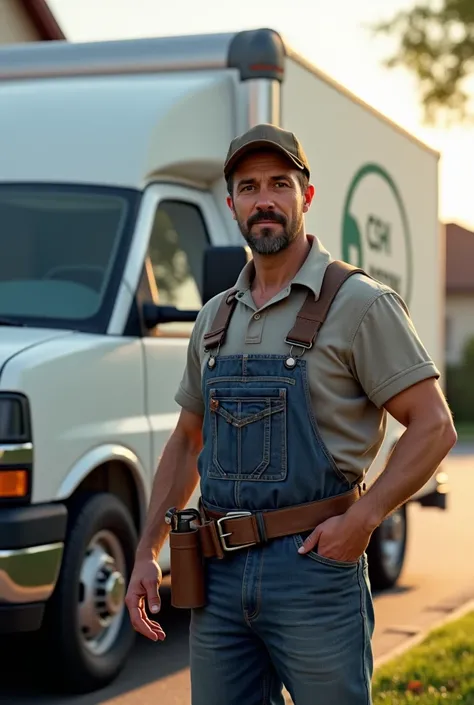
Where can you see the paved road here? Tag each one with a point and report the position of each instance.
(438, 570)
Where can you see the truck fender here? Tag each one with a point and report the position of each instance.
(99, 456)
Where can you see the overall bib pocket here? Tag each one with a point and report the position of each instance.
(249, 434)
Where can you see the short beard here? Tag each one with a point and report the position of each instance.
(269, 242)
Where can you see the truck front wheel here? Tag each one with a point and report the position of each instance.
(87, 626)
(386, 550)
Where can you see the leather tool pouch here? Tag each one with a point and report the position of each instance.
(188, 589)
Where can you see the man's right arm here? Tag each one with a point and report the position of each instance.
(175, 481)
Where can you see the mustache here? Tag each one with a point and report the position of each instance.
(262, 216)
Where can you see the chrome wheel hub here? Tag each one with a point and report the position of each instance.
(392, 537)
(101, 592)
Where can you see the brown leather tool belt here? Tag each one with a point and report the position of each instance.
(222, 533)
(215, 534)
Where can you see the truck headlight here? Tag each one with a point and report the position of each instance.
(14, 421)
(16, 450)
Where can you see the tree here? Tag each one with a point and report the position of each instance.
(436, 43)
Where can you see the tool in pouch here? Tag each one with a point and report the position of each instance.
(186, 559)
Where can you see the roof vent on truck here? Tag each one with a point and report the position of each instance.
(257, 53)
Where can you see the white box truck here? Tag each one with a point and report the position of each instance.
(111, 194)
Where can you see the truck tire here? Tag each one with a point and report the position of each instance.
(86, 624)
(386, 550)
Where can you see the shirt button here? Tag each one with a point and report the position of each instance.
(257, 316)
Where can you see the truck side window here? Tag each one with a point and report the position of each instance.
(177, 243)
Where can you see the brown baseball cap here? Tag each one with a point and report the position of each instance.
(266, 136)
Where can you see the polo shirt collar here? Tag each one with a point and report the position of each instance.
(310, 274)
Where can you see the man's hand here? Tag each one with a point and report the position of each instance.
(338, 538)
(145, 583)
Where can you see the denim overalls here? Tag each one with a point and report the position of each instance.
(274, 616)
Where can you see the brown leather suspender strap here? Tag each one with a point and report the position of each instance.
(313, 312)
(309, 319)
(216, 336)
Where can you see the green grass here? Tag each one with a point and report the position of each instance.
(465, 431)
(440, 670)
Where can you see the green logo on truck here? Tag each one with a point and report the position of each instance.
(375, 231)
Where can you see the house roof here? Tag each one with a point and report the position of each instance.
(459, 259)
(43, 19)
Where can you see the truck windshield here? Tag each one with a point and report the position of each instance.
(62, 252)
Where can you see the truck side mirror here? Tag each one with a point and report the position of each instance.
(221, 268)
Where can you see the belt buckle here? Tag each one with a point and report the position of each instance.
(222, 536)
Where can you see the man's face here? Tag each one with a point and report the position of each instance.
(268, 201)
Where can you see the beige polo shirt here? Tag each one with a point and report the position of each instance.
(366, 352)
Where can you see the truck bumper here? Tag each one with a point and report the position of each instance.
(437, 495)
(434, 499)
(31, 549)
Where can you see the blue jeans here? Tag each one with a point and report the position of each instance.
(276, 618)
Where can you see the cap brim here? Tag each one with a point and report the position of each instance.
(260, 144)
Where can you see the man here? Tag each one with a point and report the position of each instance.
(267, 424)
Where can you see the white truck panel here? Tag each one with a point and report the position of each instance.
(18, 339)
(127, 129)
(85, 391)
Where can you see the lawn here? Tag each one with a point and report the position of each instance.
(440, 670)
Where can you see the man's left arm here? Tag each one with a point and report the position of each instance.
(429, 436)
(396, 373)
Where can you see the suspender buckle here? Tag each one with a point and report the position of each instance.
(298, 344)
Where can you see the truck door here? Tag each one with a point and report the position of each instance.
(185, 222)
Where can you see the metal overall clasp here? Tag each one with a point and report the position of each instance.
(292, 360)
